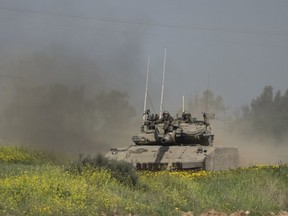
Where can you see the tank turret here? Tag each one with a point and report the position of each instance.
(169, 131)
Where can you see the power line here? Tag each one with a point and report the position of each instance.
(279, 43)
(147, 23)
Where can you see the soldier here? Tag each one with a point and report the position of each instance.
(167, 120)
(206, 121)
(205, 117)
(166, 116)
(191, 119)
(156, 117)
(187, 118)
(147, 113)
(152, 118)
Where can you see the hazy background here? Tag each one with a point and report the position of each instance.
(93, 47)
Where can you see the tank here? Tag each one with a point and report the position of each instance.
(181, 143)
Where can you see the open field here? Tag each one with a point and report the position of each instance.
(38, 183)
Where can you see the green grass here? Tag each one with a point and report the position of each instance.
(24, 155)
(36, 185)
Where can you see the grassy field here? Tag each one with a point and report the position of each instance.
(39, 183)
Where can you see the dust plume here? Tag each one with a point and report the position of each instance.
(259, 130)
(64, 101)
(253, 150)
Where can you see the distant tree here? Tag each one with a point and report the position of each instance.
(114, 114)
(267, 114)
(207, 101)
(263, 103)
(114, 108)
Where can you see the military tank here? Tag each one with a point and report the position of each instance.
(183, 143)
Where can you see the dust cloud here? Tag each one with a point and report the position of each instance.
(257, 141)
(253, 150)
(59, 99)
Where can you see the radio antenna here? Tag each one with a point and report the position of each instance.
(183, 104)
(163, 81)
(207, 92)
(146, 90)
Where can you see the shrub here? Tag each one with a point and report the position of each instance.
(120, 170)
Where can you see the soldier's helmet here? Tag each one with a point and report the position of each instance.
(156, 116)
(166, 114)
(185, 115)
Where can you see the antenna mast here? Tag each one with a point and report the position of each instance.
(163, 81)
(207, 91)
(146, 89)
(183, 104)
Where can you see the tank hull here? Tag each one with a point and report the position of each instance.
(155, 157)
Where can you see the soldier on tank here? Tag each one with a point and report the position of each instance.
(156, 117)
(190, 118)
(186, 117)
(206, 121)
(147, 113)
(167, 120)
(152, 117)
(166, 117)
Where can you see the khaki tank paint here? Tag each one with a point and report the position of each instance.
(176, 157)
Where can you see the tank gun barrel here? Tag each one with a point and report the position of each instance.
(168, 138)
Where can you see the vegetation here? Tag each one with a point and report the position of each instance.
(267, 115)
(24, 155)
(44, 188)
(206, 102)
(120, 170)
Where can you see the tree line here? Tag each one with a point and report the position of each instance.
(58, 117)
(267, 115)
